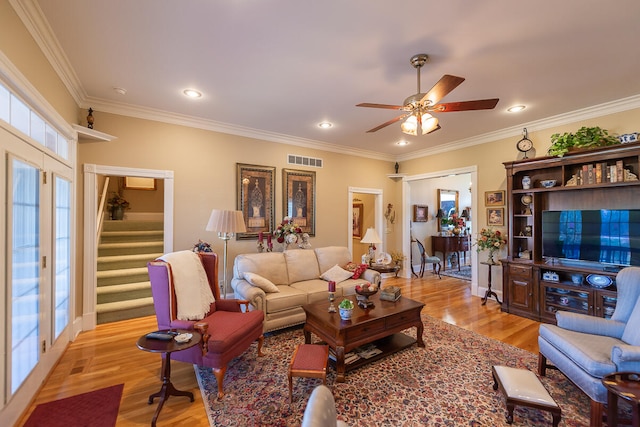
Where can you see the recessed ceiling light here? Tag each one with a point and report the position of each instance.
(403, 142)
(516, 108)
(120, 90)
(325, 125)
(192, 93)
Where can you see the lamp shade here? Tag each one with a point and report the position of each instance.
(371, 236)
(465, 214)
(226, 222)
(440, 213)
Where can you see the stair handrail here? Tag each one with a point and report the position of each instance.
(103, 198)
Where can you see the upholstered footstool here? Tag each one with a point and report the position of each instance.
(310, 361)
(522, 387)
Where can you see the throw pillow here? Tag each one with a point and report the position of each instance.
(336, 274)
(260, 282)
(359, 270)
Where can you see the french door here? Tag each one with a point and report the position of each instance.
(37, 266)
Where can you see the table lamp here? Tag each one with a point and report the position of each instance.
(226, 223)
(372, 238)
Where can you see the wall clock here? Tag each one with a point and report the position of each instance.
(525, 144)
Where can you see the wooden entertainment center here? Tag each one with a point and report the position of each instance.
(535, 287)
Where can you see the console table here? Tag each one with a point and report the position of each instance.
(450, 244)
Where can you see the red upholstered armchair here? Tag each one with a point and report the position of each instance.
(227, 331)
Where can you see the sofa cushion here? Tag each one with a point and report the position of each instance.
(359, 270)
(336, 274)
(631, 334)
(302, 264)
(591, 352)
(316, 290)
(286, 299)
(270, 265)
(332, 255)
(260, 282)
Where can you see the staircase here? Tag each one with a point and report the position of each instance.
(125, 247)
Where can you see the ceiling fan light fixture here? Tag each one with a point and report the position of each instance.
(410, 126)
(429, 123)
(413, 126)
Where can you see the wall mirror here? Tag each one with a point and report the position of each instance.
(447, 203)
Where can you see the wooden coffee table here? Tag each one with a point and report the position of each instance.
(381, 324)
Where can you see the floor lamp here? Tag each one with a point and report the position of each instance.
(226, 223)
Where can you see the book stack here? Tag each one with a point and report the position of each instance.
(390, 293)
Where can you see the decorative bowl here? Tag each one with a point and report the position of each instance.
(548, 183)
(363, 297)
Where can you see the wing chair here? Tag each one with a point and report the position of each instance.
(227, 331)
(321, 409)
(586, 348)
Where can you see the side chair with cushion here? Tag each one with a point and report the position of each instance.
(227, 331)
(586, 348)
(427, 259)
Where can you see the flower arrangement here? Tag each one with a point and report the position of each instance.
(490, 239)
(457, 221)
(116, 200)
(287, 232)
(397, 257)
(202, 246)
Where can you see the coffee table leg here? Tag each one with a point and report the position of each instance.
(307, 337)
(340, 368)
(419, 332)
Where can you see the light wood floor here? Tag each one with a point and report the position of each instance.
(108, 355)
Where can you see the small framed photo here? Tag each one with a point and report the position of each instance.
(494, 198)
(420, 213)
(495, 216)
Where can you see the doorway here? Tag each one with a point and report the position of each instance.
(374, 194)
(91, 223)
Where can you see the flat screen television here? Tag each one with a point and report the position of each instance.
(602, 236)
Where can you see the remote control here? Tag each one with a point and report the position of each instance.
(163, 336)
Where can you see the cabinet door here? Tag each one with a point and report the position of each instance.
(521, 294)
(605, 303)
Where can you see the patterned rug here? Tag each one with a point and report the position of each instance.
(448, 383)
(464, 273)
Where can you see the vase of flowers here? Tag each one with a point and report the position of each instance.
(116, 205)
(492, 240)
(288, 232)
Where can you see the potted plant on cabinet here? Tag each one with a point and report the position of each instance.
(585, 137)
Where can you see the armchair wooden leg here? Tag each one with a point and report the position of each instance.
(542, 365)
(219, 373)
(260, 342)
(596, 414)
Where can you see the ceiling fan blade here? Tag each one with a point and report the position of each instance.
(390, 122)
(480, 104)
(441, 89)
(387, 106)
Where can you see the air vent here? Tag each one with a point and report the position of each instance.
(294, 159)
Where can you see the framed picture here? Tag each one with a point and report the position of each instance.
(357, 220)
(420, 213)
(256, 198)
(495, 216)
(299, 198)
(136, 183)
(494, 198)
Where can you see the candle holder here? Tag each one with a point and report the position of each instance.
(260, 247)
(332, 297)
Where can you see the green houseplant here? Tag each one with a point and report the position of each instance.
(585, 137)
(346, 309)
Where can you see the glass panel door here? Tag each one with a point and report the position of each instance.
(24, 271)
(61, 255)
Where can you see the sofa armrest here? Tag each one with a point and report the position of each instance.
(252, 294)
(626, 357)
(589, 324)
(372, 276)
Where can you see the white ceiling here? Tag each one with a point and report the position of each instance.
(277, 68)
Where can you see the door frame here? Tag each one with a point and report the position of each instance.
(90, 241)
(377, 211)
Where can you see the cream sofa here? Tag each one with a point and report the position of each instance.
(296, 274)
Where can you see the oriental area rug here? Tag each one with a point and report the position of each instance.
(448, 383)
(98, 408)
(464, 273)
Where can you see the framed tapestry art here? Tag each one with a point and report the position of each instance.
(299, 198)
(256, 198)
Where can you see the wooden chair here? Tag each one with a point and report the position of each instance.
(426, 259)
(226, 330)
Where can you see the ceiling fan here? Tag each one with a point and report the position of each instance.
(419, 106)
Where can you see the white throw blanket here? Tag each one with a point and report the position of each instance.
(193, 294)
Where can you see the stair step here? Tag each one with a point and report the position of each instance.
(132, 236)
(111, 225)
(111, 249)
(114, 311)
(126, 261)
(124, 292)
(122, 276)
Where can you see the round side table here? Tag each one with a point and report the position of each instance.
(625, 385)
(167, 347)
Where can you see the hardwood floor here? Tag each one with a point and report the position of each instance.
(108, 355)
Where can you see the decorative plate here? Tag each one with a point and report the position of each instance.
(526, 200)
(384, 258)
(599, 281)
(562, 291)
(182, 338)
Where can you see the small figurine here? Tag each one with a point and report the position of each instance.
(90, 119)
(397, 166)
